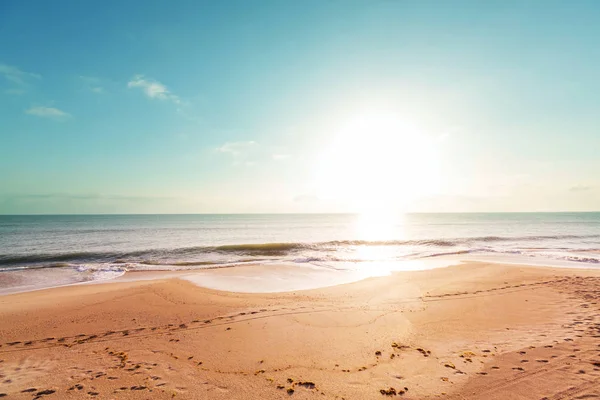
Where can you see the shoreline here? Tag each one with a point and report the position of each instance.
(294, 275)
(476, 327)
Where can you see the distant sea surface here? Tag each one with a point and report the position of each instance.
(92, 247)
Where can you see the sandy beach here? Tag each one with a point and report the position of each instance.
(473, 331)
(338, 200)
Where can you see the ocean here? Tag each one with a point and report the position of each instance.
(79, 248)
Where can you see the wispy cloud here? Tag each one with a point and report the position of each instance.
(236, 149)
(280, 157)
(16, 75)
(85, 196)
(48, 112)
(240, 152)
(580, 188)
(306, 198)
(185, 111)
(153, 89)
(15, 92)
(93, 84)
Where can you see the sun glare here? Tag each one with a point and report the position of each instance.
(377, 164)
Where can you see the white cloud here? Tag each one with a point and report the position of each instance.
(153, 89)
(48, 112)
(236, 149)
(15, 75)
(93, 84)
(281, 156)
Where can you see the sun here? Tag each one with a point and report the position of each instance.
(377, 163)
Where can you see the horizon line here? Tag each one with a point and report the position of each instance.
(300, 213)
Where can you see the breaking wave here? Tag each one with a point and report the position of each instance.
(211, 256)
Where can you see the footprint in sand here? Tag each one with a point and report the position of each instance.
(23, 371)
(45, 392)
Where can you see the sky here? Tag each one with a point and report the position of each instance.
(299, 106)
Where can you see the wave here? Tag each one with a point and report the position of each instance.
(177, 263)
(279, 248)
(448, 253)
(12, 259)
(447, 242)
(253, 252)
(263, 248)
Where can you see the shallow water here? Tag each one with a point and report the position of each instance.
(105, 246)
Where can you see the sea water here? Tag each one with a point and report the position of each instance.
(59, 249)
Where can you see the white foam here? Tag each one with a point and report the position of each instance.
(279, 279)
(522, 259)
(292, 277)
(101, 272)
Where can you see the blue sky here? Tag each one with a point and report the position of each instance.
(193, 106)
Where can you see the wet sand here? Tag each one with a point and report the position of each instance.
(474, 331)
